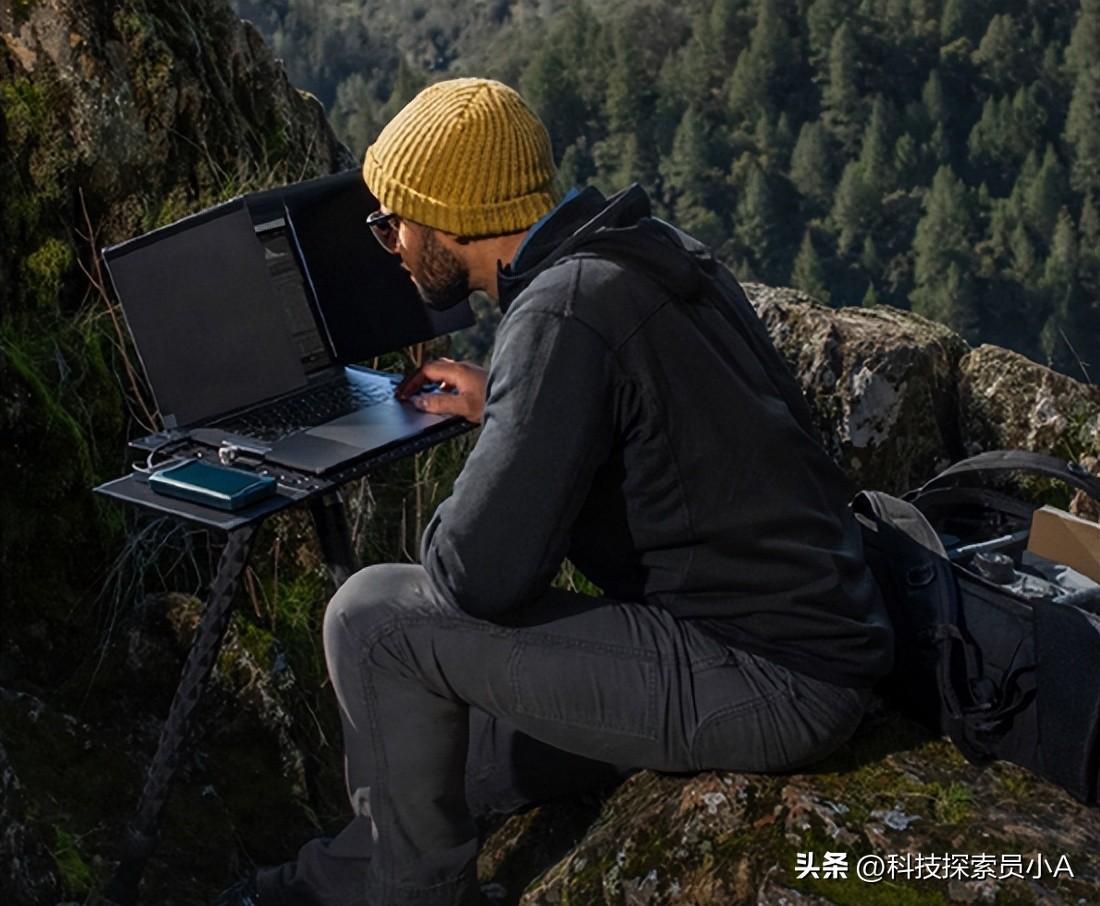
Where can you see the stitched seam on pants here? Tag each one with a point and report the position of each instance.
(379, 782)
(530, 636)
(714, 660)
(753, 704)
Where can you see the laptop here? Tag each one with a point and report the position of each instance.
(253, 320)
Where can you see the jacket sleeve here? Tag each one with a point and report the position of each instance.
(498, 541)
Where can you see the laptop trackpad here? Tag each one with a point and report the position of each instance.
(377, 425)
(311, 454)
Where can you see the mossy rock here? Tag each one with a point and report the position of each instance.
(880, 382)
(719, 839)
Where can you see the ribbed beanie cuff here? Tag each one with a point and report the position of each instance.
(466, 156)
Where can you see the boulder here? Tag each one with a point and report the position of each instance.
(882, 383)
(893, 800)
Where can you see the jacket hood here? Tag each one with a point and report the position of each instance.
(620, 227)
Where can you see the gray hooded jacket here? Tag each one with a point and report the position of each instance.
(643, 425)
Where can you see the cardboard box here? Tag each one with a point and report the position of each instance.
(1065, 538)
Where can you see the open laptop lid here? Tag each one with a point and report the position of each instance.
(368, 304)
(201, 307)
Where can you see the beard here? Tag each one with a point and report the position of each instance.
(442, 279)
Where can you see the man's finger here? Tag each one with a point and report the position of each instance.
(438, 370)
(440, 403)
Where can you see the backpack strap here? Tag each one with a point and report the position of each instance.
(992, 461)
(909, 541)
(950, 499)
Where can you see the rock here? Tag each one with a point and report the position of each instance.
(882, 384)
(1006, 401)
(897, 397)
(890, 797)
(27, 872)
(114, 119)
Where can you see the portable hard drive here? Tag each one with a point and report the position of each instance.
(212, 485)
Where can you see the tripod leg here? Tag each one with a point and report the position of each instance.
(141, 837)
(331, 524)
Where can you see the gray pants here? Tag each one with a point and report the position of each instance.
(446, 715)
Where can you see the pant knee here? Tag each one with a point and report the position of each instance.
(372, 597)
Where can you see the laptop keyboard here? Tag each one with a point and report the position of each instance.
(307, 410)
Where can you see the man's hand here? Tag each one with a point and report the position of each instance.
(463, 384)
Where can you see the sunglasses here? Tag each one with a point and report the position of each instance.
(384, 227)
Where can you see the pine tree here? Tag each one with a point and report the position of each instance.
(725, 29)
(906, 159)
(355, 112)
(770, 55)
(896, 15)
(924, 17)
(942, 255)
(808, 274)
(875, 153)
(1001, 225)
(940, 145)
(784, 135)
(676, 92)
(841, 99)
(1029, 111)
(933, 97)
(406, 85)
(550, 85)
(1083, 130)
(811, 165)
(956, 20)
(823, 18)
(629, 107)
(1089, 225)
(1084, 44)
(1025, 176)
(998, 53)
(1061, 264)
(688, 170)
(690, 180)
(989, 138)
(854, 207)
(869, 259)
(1068, 319)
(1025, 261)
(754, 223)
(1046, 195)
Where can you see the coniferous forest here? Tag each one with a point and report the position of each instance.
(936, 155)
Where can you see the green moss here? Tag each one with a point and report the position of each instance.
(45, 268)
(851, 891)
(131, 26)
(953, 803)
(25, 106)
(76, 874)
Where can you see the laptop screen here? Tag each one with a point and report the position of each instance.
(290, 287)
(197, 298)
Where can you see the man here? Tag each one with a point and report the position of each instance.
(634, 418)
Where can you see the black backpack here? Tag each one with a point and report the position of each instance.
(1004, 668)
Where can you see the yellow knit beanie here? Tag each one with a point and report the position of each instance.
(466, 156)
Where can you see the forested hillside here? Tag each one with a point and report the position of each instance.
(938, 155)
